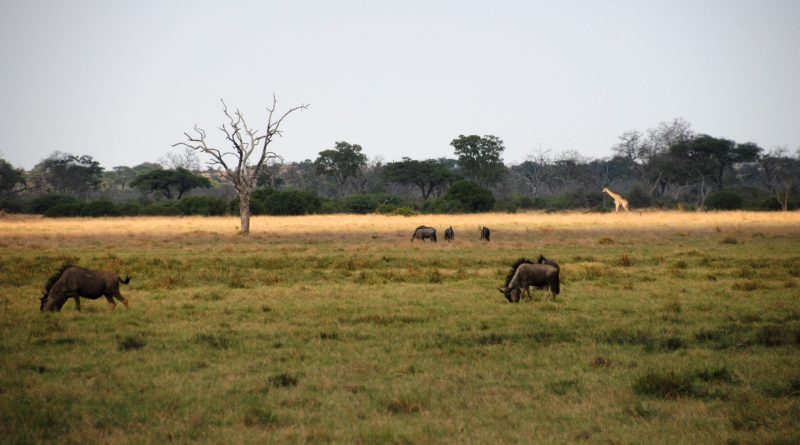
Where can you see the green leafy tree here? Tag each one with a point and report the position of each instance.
(63, 172)
(342, 162)
(12, 180)
(426, 175)
(169, 183)
(480, 158)
(471, 196)
(706, 158)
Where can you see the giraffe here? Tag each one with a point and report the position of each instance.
(618, 200)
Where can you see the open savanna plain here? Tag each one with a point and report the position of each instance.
(670, 328)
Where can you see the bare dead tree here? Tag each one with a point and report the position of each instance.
(242, 164)
(186, 160)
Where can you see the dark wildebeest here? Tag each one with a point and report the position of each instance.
(525, 273)
(76, 282)
(485, 233)
(423, 232)
(449, 235)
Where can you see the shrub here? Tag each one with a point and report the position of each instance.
(43, 203)
(129, 208)
(165, 208)
(443, 206)
(530, 202)
(101, 207)
(360, 204)
(291, 202)
(665, 202)
(403, 211)
(724, 200)
(471, 196)
(64, 209)
(201, 205)
(12, 204)
(638, 198)
(506, 205)
(386, 209)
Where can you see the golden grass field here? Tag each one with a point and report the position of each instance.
(672, 327)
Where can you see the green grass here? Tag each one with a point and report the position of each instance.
(367, 338)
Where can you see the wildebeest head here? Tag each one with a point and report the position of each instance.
(48, 285)
(512, 295)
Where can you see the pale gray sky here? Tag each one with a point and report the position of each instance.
(122, 80)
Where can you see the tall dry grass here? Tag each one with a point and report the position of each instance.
(32, 226)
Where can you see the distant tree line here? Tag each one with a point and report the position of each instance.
(669, 166)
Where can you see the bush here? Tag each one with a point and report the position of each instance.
(165, 208)
(443, 206)
(101, 207)
(12, 205)
(724, 200)
(360, 204)
(292, 202)
(403, 211)
(560, 202)
(638, 198)
(43, 203)
(201, 205)
(386, 209)
(129, 208)
(471, 196)
(530, 202)
(328, 207)
(665, 202)
(505, 205)
(65, 209)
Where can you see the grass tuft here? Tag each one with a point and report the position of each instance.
(562, 387)
(664, 385)
(283, 380)
(130, 343)
(218, 341)
(260, 416)
(403, 405)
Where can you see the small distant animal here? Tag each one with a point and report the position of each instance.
(485, 233)
(76, 282)
(449, 235)
(619, 201)
(423, 233)
(525, 273)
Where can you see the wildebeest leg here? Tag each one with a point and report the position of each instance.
(78, 303)
(119, 297)
(111, 302)
(528, 291)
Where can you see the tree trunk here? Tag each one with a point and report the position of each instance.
(244, 209)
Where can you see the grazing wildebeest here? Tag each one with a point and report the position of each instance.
(524, 274)
(76, 282)
(449, 235)
(423, 232)
(485, 233)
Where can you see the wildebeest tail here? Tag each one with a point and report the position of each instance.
(543, 260)
(125, 281)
